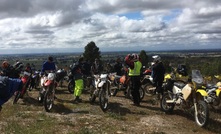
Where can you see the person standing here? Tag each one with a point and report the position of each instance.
(78, 77)
(133, 61)
(158, 71)
(118, 67)
(96, 67)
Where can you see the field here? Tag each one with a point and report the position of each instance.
(66, 117)
(29, 116)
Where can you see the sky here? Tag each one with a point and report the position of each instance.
(40, 26)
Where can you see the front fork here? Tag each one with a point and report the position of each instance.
(195, 102)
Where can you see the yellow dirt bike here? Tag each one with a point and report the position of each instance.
(188, 97)
(214, 93)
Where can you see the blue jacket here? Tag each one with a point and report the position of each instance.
(12, 85)
(48, 66)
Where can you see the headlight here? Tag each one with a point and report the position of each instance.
(51, 76)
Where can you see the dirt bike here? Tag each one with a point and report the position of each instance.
(188, 97)
(179, 74)
(95, 90)
(71, 83)
(47, 92)
(214, 95)
(148, 85)
(35, 80)
(101, 89)
(26, 81)
(104, 94)
(123, 83)
(60, 76)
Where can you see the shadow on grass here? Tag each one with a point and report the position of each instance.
(118, 109)
(62, 109)
(31, 101)
(62, 91)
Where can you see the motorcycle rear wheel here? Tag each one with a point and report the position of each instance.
(147, 90)
(202, 114)
(141, 91)
(166, 107)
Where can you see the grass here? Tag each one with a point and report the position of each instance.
(29, 117)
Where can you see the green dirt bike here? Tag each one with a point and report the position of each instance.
(188, 97)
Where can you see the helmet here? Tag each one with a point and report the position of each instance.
(50, 58)
(18, 65)
(5, 64)
(127, 58)
(156, 58)
(135, 57)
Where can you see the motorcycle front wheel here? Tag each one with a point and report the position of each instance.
(103, 99)
(41, 95)
(17, 96)
(202, 114)
(93, 96)
(71, 85)
(49, 100)
(166, 107)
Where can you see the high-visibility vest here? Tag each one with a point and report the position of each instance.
(136, 70)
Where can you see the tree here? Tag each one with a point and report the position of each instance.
(144, 58)
(91, 52)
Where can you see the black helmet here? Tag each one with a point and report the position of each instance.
(18, 65)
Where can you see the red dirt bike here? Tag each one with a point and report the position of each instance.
(47, 92)
(25, 81)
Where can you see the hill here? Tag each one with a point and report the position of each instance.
(29, 117)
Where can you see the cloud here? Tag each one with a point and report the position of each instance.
(111, 24)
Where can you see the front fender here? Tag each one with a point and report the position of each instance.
(202, 92)
(218, 91)
(101, 83)
(48, 82)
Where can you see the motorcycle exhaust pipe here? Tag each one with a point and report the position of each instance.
(170, 101)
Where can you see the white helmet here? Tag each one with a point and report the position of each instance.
(135, 57)
(156, 58)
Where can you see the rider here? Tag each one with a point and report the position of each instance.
(133, 61)
(158, 72)
(78, 77)
(48, 65)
